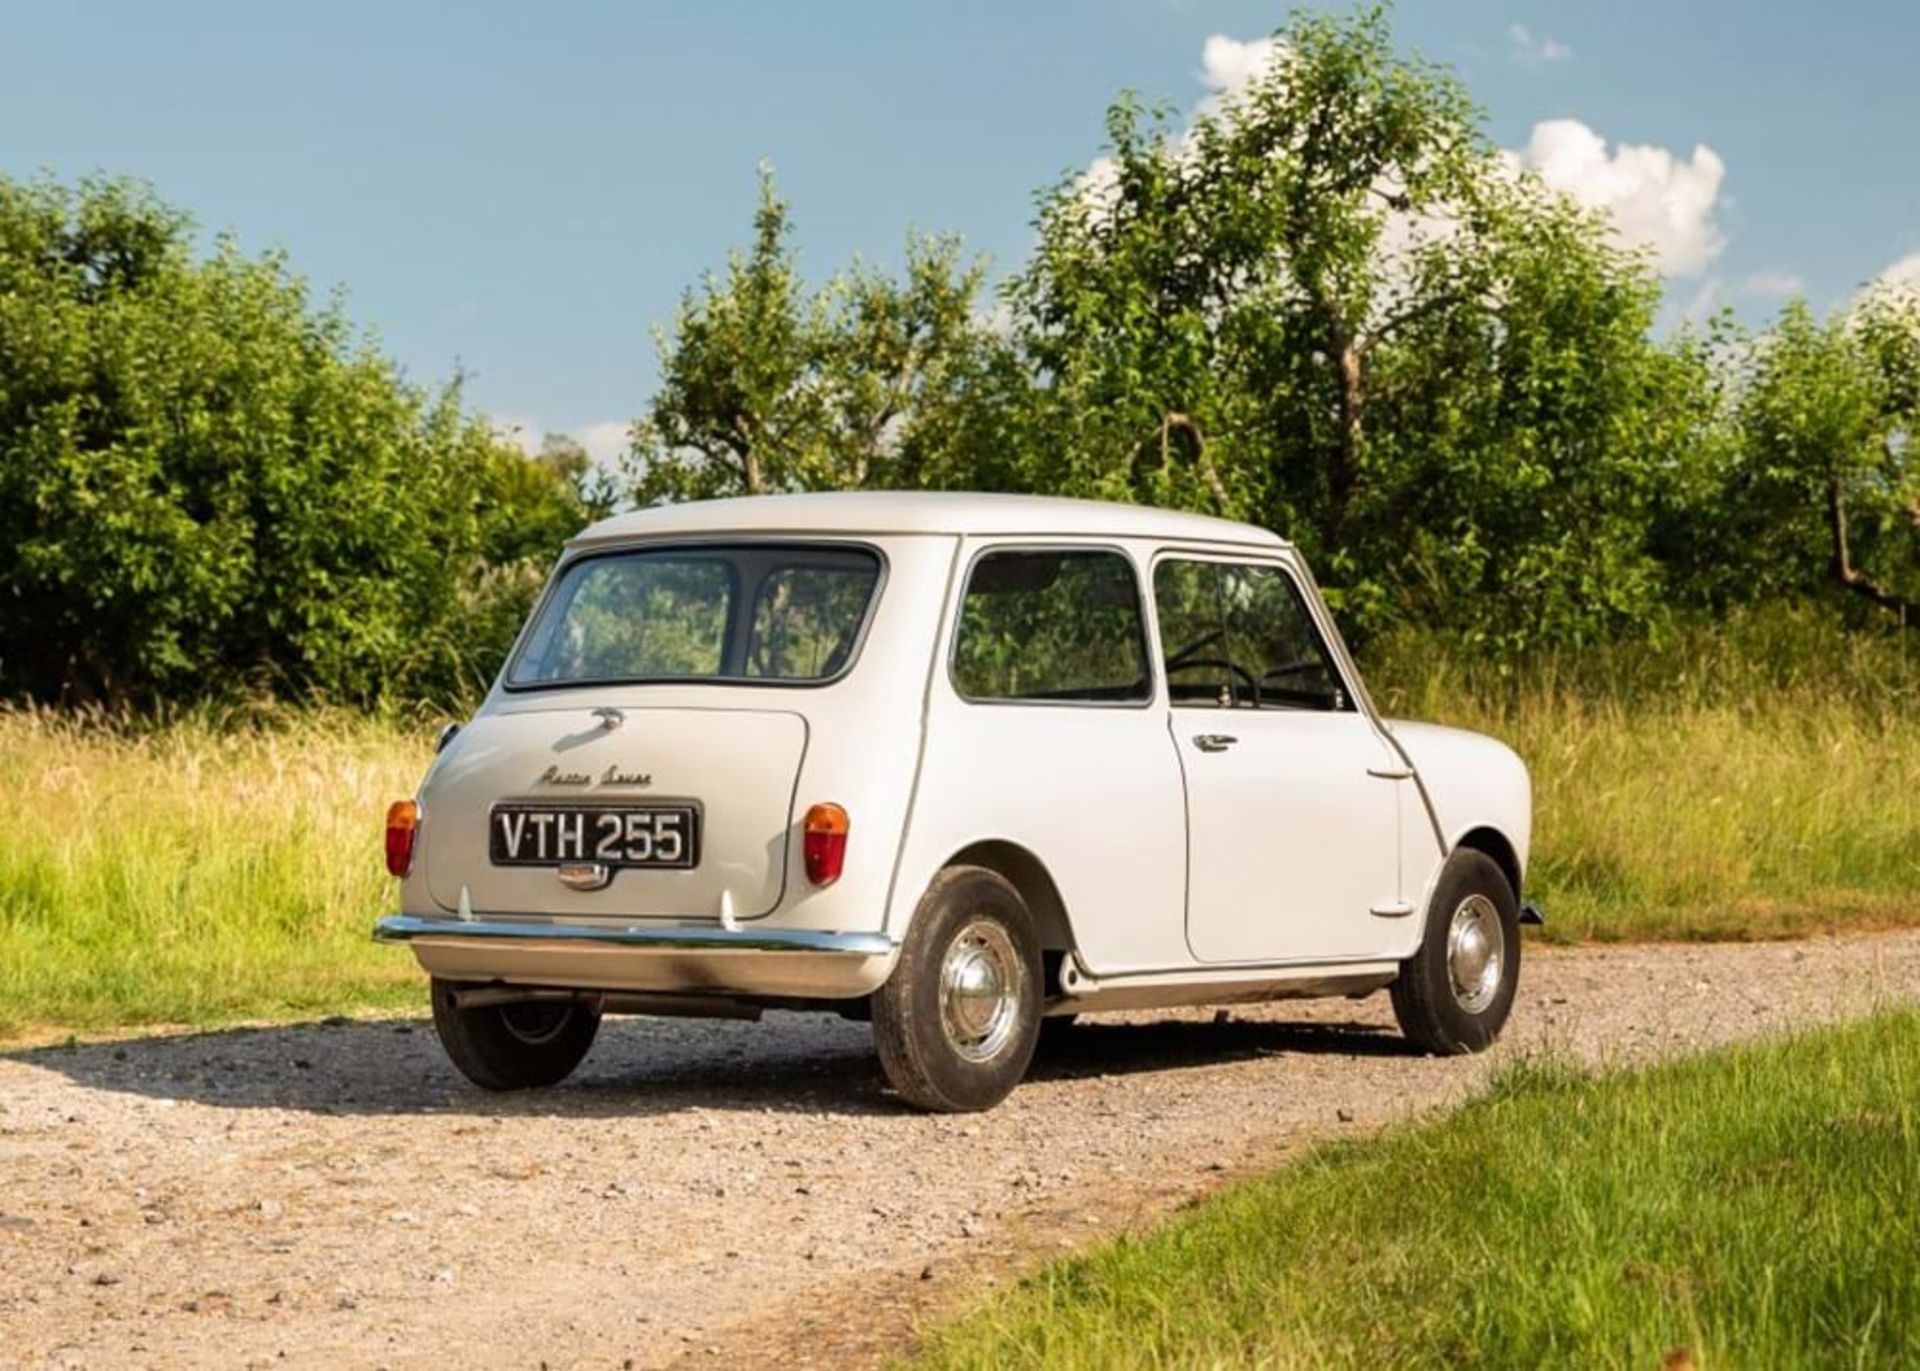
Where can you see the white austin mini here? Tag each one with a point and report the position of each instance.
(955, 762)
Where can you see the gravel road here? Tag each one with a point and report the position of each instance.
(729, 1193)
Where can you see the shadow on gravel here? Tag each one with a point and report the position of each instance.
(786, 1063)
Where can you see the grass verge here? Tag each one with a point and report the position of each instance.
(1754, 1207)
(197, 872)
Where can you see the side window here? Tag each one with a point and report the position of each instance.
(1237, 634)
(1052, 626)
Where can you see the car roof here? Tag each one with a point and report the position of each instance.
(950, 512)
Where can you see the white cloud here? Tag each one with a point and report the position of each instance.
(1903, 275)
(604, 441)
(1227, 65)
(1657, 200)
(522, 433)
(1536, 50)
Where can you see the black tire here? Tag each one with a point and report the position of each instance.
(1435, 1014)
(513, 1046)
(975, 916)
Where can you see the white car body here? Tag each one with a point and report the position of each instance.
(1161, 865)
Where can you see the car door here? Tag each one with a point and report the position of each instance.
(1292, 806)
(1045, 733)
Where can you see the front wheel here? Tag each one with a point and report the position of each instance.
(1454, 994)
(513, 1046)
(956, 1022)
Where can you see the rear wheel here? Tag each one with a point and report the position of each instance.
(513, 1046)
(956, 1023)
(1455, 993)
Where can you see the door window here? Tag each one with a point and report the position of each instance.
(1238, 635)
(1055, 626)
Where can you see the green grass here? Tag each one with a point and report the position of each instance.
(1757, 1207)
(196, 872)
(1750, 780)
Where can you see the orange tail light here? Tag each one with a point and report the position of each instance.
(403, 825)
(825, 843)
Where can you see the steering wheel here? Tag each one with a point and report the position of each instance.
(1286, 669)
(1182, 659)
(1188, 663)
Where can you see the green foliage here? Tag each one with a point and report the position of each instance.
(207, 483)
(1819, 479)
(769, 387)
(1328, 305)
(1752, 1207)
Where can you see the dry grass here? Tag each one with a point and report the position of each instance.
(196, 871)
(1760, 779)
(1757, 780)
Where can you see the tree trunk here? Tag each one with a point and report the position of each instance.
(1201, 457)
(1346, 464)
(1175, 421)
(1850, 576)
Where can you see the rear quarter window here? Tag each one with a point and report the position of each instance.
(1052, 626)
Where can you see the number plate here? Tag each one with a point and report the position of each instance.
(613, 835)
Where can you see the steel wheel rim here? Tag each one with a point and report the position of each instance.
(980, 991)
(535, 1024)
(1476, 953)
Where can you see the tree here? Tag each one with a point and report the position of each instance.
(208, 484)
(768, 385)
(1330, 307)
(1825, 484)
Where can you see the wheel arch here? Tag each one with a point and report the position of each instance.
(1024, 870)
(1486, 839)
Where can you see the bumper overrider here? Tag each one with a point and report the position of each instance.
(668, 958)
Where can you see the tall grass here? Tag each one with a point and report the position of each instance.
(1750, 778)
(197, 870)
(1756, 1207)
(1753, 779)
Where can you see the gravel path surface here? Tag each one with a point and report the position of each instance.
(725, 1192)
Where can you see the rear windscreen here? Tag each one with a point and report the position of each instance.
(716, 612)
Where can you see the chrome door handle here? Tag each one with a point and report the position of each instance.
(1391, 773)
(1214, 742)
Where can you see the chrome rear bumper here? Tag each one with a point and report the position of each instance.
(681, 958)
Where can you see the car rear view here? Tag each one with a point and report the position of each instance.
(627, 819)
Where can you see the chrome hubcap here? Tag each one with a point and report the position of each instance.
(979, 991)
(1476, 953)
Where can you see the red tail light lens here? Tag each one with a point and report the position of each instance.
(403, 824)
(825, 844)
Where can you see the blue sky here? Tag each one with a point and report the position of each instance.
(523, 190)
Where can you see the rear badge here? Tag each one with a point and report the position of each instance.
(613, 775)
